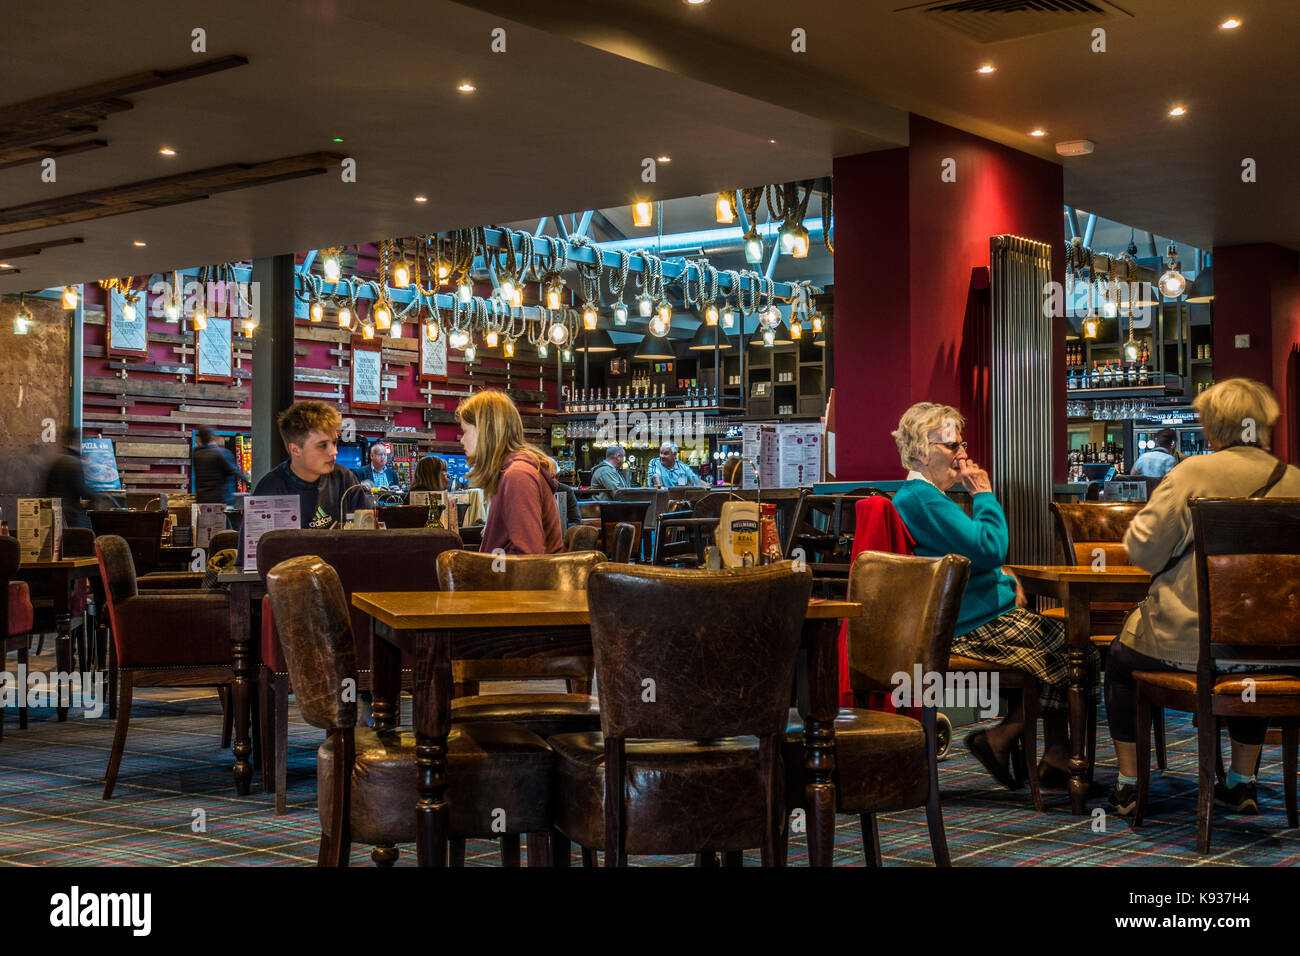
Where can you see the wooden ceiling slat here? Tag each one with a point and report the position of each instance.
(34, 248)
(34, 154)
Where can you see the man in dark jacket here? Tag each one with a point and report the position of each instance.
(325, 489)
(607, 476)
(67, 481)
(215, 471)
(378, 473)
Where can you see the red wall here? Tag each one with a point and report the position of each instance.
(1244, 277)
(1286, 366)
(896, 218)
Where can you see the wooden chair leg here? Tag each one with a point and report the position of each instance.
(22, 698)
(870, 839)
(589, 857)
(1290, 741)
(560, 849)
(227, 719)
(1208, 742)
(268, 710)
(113, 679)
(510, 849)
(40, 643)
(384, 854)
(280, 731)
(456, 851)
(1090, 746)
(1142, 742)
(1219, 773)
(1158, 716)
(933, 811)
(539, 849)
(1029, 738)
(119, 735)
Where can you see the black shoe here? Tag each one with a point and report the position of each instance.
(978, 744)
(1123, 799)
(1243, 798)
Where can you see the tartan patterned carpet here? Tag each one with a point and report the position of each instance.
(175, 805)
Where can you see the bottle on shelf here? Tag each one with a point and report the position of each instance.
(1132, 374)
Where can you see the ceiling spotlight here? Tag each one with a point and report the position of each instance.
(1230, 24)
(69, 298)
(167, 151)
(139, 243)
(663, 159)
(317, 310)
(987, 68)
(466, 87)
(696, 3)
(1038, 132)
(725, 209)
(421, 198)
(1178, 111)
(345, 318)
(330, 265)
(642, 214)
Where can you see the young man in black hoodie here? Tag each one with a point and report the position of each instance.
(310, 433)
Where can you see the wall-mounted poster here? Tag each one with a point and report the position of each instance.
(433, 358)
(127, 337)
(367, 377)
(213, 357)
(100, 464)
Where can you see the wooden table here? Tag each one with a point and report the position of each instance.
(61, 575)
(1077, 587)
(246, 588)
(436, 626)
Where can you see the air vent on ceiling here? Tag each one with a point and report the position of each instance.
(990, 21)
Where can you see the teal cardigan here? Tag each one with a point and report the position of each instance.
(939, 526)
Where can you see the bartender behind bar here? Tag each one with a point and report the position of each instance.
(378, 474)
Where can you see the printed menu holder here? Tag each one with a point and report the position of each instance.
(263, 514)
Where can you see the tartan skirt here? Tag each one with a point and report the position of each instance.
(1029, 642)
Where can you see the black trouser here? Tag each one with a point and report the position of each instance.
(1121, 662)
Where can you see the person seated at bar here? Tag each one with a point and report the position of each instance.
(518, 479)
(310, 432)
(215, 471)
(607, 476)
(378, 474)
(430, 474)
(993, 623)
(1163, 632)
(1156, 462)
(667, 472)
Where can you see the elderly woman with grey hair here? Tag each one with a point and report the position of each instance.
(992, 622)
(1163, 632)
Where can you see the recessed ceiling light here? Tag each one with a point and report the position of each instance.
(696, 3)
(138, 242)
(167, 151)
(1178, 111)
(466, 87)
(421, 198)
(1038, 132)
(664, 159)
(5, 265)
(338, 139)
(1230, 24)
(987, 68)
(772, 141)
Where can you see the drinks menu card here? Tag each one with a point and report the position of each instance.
(267, 513)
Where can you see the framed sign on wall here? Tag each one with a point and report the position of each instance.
(433, 358)
(367, 377)
(213, 352)
(128, 330)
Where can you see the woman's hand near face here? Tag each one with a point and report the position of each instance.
(975, 478)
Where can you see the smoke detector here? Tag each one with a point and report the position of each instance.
(1075, 147)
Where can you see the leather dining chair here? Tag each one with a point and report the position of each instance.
(17, 618)
(160, 638)
(497, 773)
(404, 559)
(622, 542)
(886, 762)
(581, 537)
(142, 530)
(683, 776)
(612, 513)
(403, 516)
(1247, 554)
(1087, 532)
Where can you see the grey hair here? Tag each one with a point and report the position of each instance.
(613, 450)
(669, 444)
(913, 433)
(1226, 407)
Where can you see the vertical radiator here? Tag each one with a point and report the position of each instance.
(1021, 387)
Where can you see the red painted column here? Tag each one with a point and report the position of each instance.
(911, 290)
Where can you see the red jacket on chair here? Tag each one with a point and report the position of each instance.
(877, 528)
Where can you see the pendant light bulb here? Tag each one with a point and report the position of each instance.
(172, 311)
(465, 289)
(542, 350)
(383, 317)
(787, 240)
(1173, 283)
(665, 312)
(645, 305)
(1131, 349)
(723, 209)
(566, 355)
(331, 266)
(431, 331)
(509, 348)
(345, 318)
(458, 339)
(69, 298)
(559, 333)
(22, 318)
(817, 322)
(517, 298)
(642, 214)
(396, 330)
(367, 331)
(620, 314)
(800, 247)
(1090, 328)
(796, 329)
(507, 290)
(753, 249)
(492, 338)
(589, 316)
(317, 310)
(769, 337)
(711, 315)
(401, 275)
(470, 352)
(728, 318)
(128, 311)
(200, 319)
(553, 296)
(659, 326)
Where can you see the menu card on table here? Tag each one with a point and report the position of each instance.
(267, 513)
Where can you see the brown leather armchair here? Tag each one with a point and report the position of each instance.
(622, 542)
(679, 776)
(403, 559)
(497, 773)
(142, 530)
(1247, 578)
(581, 537)
(166, 639)
(17, 617)
(886, 762)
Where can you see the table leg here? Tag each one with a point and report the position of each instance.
(1078, 625)
(385, 679)
(63, 638)
(240, 637)
(821, 640)
(432, 718)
